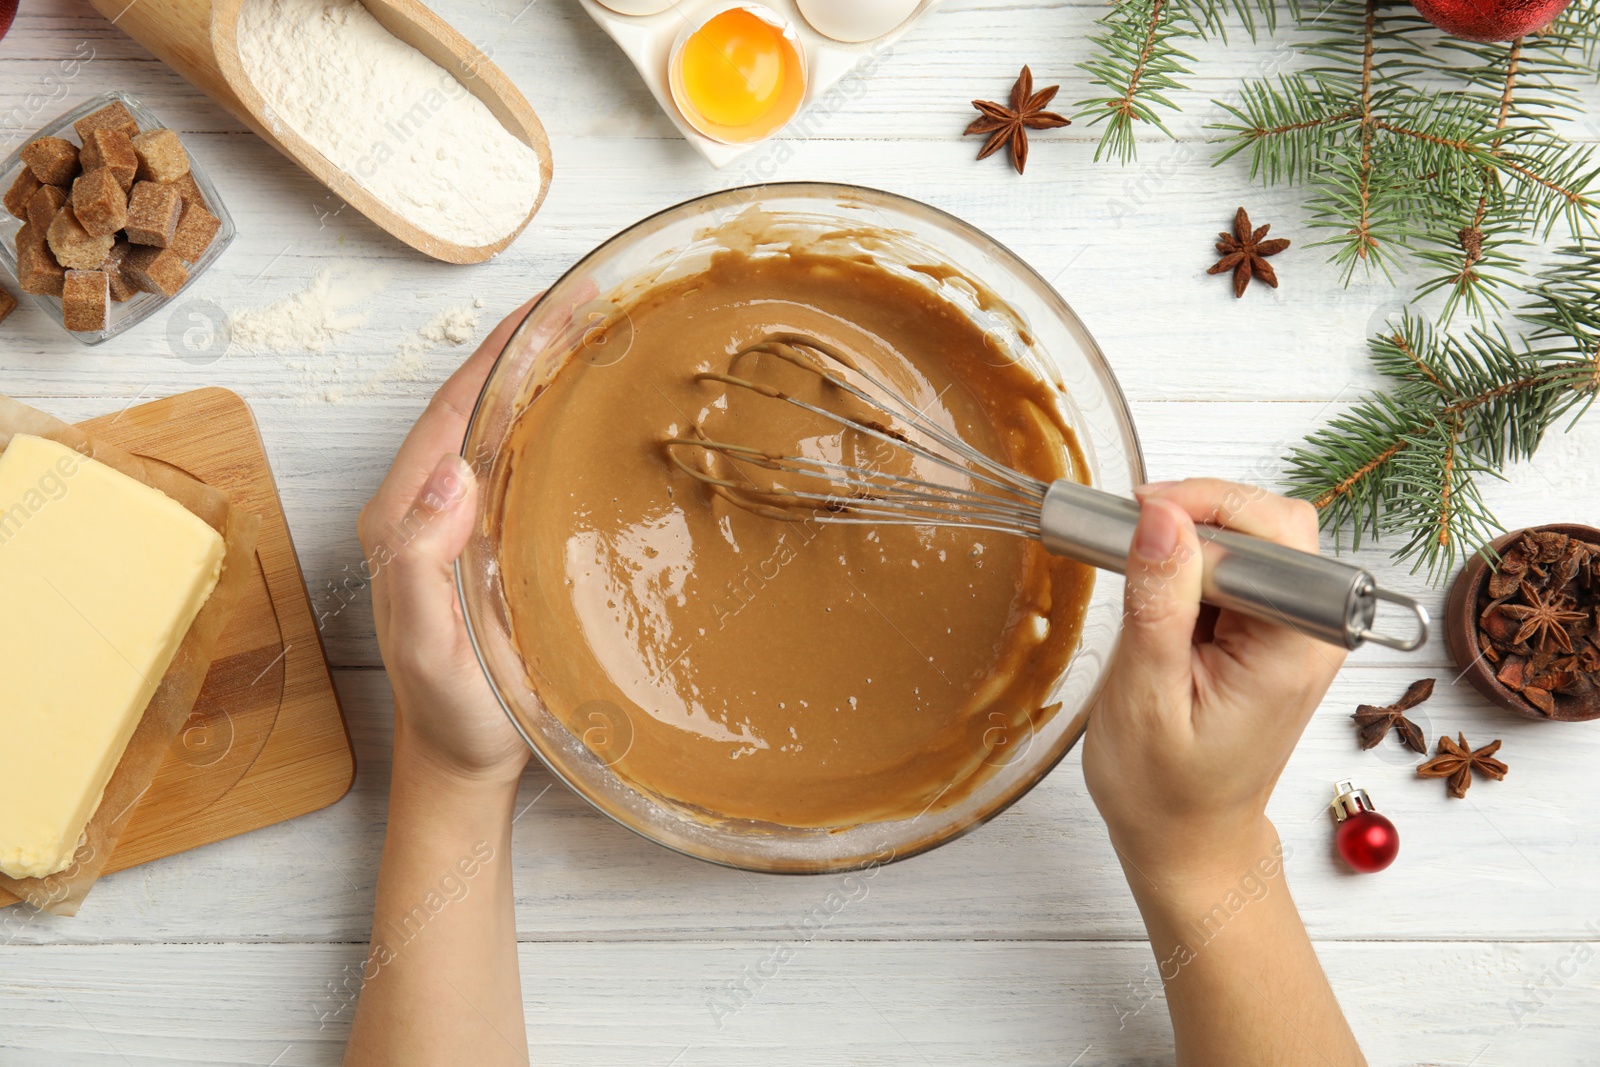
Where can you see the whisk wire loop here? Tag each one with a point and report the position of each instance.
(793, 348)
(873, 496)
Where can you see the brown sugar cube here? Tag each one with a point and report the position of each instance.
(153, 212)
(189, 189)
(116, 269)
(8, 304)
(21, 192)
(53, 160)
(47, 200)
(162, 157)
(113, 150)
(111, 117)
(155, 270)
(99, 203)
(196, 229)
(86, 301)
(37, 269)
(75, 247)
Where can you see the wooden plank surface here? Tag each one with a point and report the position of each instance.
(1015, 945)
(1042, 870)
(906, 1004)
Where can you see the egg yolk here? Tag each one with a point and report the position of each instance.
(733, 68)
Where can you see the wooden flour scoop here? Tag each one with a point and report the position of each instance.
(197, 38)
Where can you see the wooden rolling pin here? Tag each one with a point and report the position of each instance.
(197, 38)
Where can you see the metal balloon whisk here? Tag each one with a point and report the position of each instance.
(1323, 598)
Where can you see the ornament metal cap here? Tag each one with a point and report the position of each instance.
(1348, 801)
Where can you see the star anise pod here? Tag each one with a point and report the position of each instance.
(1374, 723)
(1539, 697)
(1542, 617)
(1245, 253)
(1457, 760)
(1010, 125)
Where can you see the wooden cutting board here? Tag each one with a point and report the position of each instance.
(266, 741)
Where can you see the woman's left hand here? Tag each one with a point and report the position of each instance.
(412, 530)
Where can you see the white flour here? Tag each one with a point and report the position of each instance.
(395, 121)
(309, 320)
(453, 327)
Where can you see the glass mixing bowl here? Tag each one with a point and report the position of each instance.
(580, 317)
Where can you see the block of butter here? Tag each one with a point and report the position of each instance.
(100, 577)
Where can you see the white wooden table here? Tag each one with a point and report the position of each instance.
(1016, 945)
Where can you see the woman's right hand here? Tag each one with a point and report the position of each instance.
(1194, 726)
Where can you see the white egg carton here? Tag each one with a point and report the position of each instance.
(648, 41)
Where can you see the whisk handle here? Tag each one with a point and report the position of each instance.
(1321, 597)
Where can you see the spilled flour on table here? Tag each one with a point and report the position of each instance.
(318, 322)
(313, 318)
(452, 327)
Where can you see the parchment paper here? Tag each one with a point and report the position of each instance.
(174, 698)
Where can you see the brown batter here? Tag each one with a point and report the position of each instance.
(788, 672)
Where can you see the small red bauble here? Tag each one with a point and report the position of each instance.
(8, 11)
(1490, 20)
(1367, 841)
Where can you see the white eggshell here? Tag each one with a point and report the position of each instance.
(637, 7)
(853, 21)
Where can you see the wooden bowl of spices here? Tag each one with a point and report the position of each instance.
(1526, 632)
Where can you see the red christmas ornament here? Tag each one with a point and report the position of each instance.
(1490, 20)
(1367, 841)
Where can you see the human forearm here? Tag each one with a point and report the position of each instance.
(440, 983)
(1243, 983)
(1199, 714)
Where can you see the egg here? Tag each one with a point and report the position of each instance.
(854, 21)
(738, 74)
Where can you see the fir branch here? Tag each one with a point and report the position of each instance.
(1418, 150)
(1579, 26)
(1545, 75)
(1303, 117)
(1139, 59)
(1414, 149)
(1440, 139)
(1479, 266)
(1407, 460)
(1566, 312)
(1139, 63)
(1362, 230)
(1124, 109)
(1468, 284)
(1556, 179)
